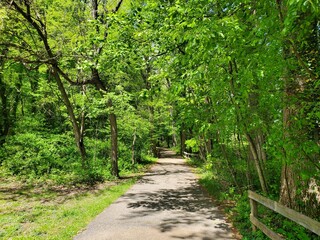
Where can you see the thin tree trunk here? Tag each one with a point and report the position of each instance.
(112, 120)
(4, 112)
(76, 130)
(182, 140)
(209, 146)
(85, 163)
(101, 86)
(8, 111)
(259, 142)
(152, 134)
(257, 163)
(114, 142)
(241, 122)
(14, 107)
(230, 166)
(248, 170)
(225, 156)
(133, 147)
(34, 87)
(5, 124)
(174, 137)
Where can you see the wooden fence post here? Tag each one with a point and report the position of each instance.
(254, 212)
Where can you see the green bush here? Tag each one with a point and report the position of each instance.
(40, 155)
(34, 155)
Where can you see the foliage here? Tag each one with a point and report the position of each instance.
(29, 154)
(235, 81)
(237, 207)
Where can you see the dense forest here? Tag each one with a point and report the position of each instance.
(88, 89)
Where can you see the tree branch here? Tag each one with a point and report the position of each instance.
(170, 50)
(74, 83)
(37, 27)
(116, 9)
(16, 46)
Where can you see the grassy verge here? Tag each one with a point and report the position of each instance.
(50, 211)
(235, 204)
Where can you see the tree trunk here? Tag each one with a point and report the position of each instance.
(34, 87)
(85, 163)
(113, 122)
(261, 175)
(152, 134)
(8, 111)
(101, 86)
(76, 130)
(209, 146)
(249, 165)
(226, 157)
(241, 122)
(288, 183)
(174, 139)
(13, 113)
(114, 142)
(133, 147)
(182, 140)
(40, 28)
(4, 124)
(288, 186)
(259, 142)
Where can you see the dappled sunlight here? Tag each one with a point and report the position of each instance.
(166, 203)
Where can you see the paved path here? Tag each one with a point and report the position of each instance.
(167, 203)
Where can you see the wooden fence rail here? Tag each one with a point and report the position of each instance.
(299, 218)
(188, 155)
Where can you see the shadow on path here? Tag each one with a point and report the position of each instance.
(189, 203)
(167, 203)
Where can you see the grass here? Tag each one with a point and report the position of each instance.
(45, 210)
(53, 212)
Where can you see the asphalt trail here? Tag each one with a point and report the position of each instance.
(167, 203)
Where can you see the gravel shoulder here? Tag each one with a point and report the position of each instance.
(167, 203)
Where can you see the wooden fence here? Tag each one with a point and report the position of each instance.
(299, 218)
(188, 155)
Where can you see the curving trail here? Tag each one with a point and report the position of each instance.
(167, 203)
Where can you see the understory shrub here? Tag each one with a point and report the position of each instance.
(55, 156)
(34, 156)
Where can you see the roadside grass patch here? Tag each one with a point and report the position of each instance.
(58, 206)
(53, 212)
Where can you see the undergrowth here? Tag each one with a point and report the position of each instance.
(235, 203)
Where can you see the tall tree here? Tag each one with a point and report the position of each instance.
(299, 24)
(34, 16)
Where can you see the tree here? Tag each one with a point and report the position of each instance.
(225, 63)
(299, 22)
(41, 20)
(23, 13)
